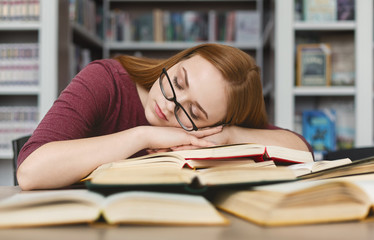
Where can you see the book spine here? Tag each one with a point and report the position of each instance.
(16, 122)
(181, 26)
(19, 64)
(19, 10)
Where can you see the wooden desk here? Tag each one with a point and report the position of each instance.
(238, 229)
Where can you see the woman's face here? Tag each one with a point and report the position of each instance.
(199, 87)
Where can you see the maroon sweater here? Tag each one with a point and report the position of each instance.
(100, 100)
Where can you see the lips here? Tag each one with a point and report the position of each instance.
(159, 113)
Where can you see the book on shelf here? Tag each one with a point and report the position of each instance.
(15, 122)
(199, 170)
(247, 26)
(343, 71)
(88, 14)
(19, 11)
(61, 207)
(183, 26)
(319, 129)
(346, 10)
(302, 202)
(345, 120)
(313, 65)
(19, 64)
(320, 11)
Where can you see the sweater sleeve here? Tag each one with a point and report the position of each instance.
(76, 112)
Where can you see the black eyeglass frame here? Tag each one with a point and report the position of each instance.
(177, 104)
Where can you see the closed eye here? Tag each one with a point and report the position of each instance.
(175, 82)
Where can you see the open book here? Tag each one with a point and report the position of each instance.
(362, 166)
(303, 170)
(304, 202)
(234, 154)
(162, 174)
(56, 207)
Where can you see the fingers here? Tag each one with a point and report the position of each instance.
(207, 131)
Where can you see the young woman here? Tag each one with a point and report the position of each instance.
(117, 108)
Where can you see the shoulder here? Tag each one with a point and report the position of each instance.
(272, 127)
(103, 75)
(104, 66)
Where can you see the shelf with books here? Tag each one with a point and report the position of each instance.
(160, 29)
(28, 63)
(351, 66)
(175, 45)
(80, 36)
(84, 33)
(178, 25)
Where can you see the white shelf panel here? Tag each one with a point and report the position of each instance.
(6, 154)
(326, 26)
(171, 45)
(325, 91)
(19, 90)
(19, 26)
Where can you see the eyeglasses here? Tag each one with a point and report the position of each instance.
(180, 113)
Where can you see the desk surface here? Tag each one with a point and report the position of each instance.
(238, 229)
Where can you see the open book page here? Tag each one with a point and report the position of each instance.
(362, 166)
(50, 208)
(225, 151)
(288, 155)
(161, 173)
(232, 175)
(143, 174)
(56, 207)
(305, 168)
(298, 203)
(157, 208)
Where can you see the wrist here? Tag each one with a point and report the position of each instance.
(232, 134)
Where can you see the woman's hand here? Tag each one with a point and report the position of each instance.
(161, 139)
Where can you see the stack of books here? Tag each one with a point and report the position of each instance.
(266, 185)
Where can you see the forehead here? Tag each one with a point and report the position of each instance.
(207, 87)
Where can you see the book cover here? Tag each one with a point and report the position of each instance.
(247, 26)
(320, 11)
(346, 10)
(319, 129)
(313, 64)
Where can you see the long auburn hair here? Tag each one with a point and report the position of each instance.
(246, 105)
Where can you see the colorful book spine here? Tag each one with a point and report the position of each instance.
(19, 10)
(183, 26)
(19, 64)
(16, 122)
(88, 14)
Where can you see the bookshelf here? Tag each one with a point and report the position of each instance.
(166, 47)
(260, 47)
(290, 98)
(79, 37)
(41, 31)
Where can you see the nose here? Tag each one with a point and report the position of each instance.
(181, 99)
(170, 105)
